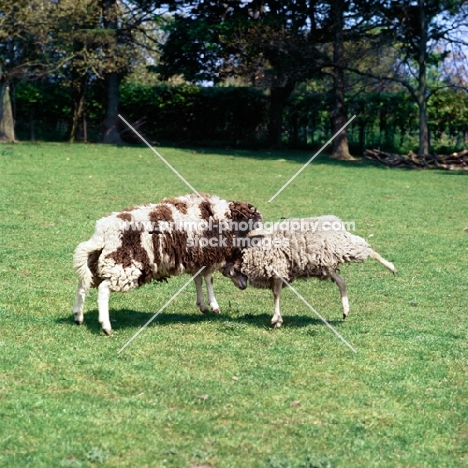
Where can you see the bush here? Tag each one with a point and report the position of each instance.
(231, 116)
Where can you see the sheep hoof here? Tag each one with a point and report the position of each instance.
(79, 322)
(214, 307)
(107, 331)
(277, 325)
(344, 316)
(203, 308)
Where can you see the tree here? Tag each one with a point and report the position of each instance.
(79, 35)
(122, 21)
(100, 50)
(338, 114)
(38, 39)
(74, 41)
(420, 33)
(268, 43)
(110, 132)
(7, 124)
(274, 45)
(23, 46)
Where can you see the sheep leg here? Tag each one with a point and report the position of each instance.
(344, 297)
(211, 297)
(103, 306)
(382, 260)
(277, 320)
(200, 299)
(79, 303)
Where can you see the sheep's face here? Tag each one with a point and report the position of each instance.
(232, 270)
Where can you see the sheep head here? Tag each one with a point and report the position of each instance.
(233, 271)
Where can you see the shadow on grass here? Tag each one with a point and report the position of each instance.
(128, 318)
(455, 173)
(297, 156)
(289, 321)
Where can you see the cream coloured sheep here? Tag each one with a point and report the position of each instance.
(299, 248)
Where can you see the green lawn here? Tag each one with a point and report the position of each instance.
(227, 391)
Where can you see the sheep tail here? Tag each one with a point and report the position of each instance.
(382, 260)
(85, 260)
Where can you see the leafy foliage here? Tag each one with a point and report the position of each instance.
(237, 116)
(233, 116)
(268, 42)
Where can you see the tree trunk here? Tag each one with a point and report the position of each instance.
(278, 99)
(110, 132)
(424, 141)
(294, 136)
(7, 123)
(362, 136)
(110, 125)
(338, 114)
(85, 128)
(32, 126)
(78, 110)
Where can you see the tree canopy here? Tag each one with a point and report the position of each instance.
(346, 47)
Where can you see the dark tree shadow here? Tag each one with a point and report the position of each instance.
(300, 156)
(297, 156)
(264, 154)
(455, 173)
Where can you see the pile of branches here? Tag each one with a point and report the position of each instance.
(451, 162)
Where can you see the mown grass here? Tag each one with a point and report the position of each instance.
(228, 391)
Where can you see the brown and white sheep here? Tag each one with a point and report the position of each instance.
(156, 241)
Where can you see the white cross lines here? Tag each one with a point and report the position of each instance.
(315, 312)
(272, 198)
(160, 310)
(160, 157)
(312, 158)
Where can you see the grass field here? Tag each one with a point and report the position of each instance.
(201, 391)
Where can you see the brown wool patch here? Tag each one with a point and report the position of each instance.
(215, 253)
(179, 204)
(204, 195)
(193, 257)
(241, 211)
(206, 210)
(131, 208)
(156, 243)
(125, 216)
(161, 213)
(236, 257)
(93, 259)
(175, 246)
(132, 250)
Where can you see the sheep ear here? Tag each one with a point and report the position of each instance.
(257, 233)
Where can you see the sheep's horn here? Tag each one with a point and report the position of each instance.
(257, 233)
